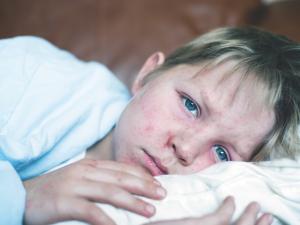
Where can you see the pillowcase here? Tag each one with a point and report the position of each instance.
(275, 185)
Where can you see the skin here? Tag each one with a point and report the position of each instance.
(180, 122)
(184, 140)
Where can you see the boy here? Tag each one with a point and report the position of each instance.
(232, 94)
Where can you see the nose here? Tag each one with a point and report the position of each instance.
(185, 151)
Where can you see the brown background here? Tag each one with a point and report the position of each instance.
(122, 33)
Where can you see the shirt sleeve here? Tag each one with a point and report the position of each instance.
(12, 197)
(52, 107)
(13, 82)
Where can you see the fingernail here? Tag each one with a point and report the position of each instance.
(161, 192)
(150, 209)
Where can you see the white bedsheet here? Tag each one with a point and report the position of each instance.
(275, 185)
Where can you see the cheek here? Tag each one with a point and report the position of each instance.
(148, 125)
(148, 128)
(205, 160)
(154, 117)
(128, 159)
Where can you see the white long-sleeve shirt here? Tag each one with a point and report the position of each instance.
(52, 107)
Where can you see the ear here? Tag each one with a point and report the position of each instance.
(154, 61)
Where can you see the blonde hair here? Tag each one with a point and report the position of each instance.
(274, 61)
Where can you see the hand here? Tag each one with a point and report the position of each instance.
(223, 215)
(70, 193)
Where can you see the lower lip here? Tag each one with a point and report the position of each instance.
(151, 165)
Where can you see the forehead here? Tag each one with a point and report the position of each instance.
(222, 78)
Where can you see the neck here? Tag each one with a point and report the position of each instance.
(101, 150)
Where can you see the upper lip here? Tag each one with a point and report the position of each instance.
(157, 162)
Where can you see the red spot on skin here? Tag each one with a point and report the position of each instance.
(148, 128)
(148, 109)
(129, 162)
(168, 143)
(130, 159)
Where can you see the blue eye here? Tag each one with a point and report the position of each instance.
(191, 106)
(221, 153)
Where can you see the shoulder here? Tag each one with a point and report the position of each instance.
(26, 41)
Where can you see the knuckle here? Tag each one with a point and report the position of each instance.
(70, 185)
(142, 172)
(119, 176)
(112, 191)
(116, 193)
(139, 204)
(147, 186)
(91, 162)
(79, 170)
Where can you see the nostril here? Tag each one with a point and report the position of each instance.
(174, 147)
(181, 158)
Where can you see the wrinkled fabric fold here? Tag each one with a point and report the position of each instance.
(274, 185)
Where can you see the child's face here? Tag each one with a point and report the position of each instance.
(181, 122)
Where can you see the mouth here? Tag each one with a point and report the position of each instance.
(154, 165)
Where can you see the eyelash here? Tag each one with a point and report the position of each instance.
(215, 147)
(184, 98)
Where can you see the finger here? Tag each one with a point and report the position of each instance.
(127, 181)
(113, 195)
(265, 219)
(249, 215)
(81, 210)
(226, 209)
(221, 216)
(134, 170)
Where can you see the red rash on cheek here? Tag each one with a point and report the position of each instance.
(130, 160)
(127, 161)
(147, 119)
(148, 107)
(148, 129)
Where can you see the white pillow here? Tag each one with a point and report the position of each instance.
(274, 185)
